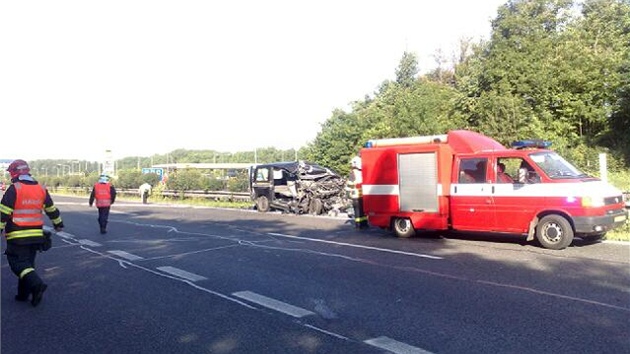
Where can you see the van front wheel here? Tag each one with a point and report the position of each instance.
(554, 232)
(403, 227)
(262, 204)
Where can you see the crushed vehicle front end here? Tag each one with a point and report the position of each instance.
(298, 187)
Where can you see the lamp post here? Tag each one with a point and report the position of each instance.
(78, 166)
(62, 170)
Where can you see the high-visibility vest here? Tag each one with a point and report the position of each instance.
(29, 203)
(102, 194)
(355, 184)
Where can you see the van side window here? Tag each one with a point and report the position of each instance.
(527, 174)
(472, 170)
(502, 176)
(514, 170)
(262, 175)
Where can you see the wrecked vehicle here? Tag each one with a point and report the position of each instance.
(298, 187)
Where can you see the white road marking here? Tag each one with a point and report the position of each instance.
(395, 346)
(181, 273)
(359, 246)
(273, 304)
(65, 235)
(326, 332)
(89, 243)
(126, 255)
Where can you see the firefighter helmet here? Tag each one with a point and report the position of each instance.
(18, 167)
(103, 179)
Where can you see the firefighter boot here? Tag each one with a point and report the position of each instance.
(33, 282)
(38, 293)
(23, 292)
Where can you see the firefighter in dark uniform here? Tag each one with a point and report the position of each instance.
(354, 186)
(104, 194)
(22, 220)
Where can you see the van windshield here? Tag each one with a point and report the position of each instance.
(555, 166)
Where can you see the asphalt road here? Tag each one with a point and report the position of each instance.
(172, 279)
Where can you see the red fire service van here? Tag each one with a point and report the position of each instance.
(465, 181)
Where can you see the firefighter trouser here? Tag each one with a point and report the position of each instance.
(103, 215)
(360, 219)
(21, 259)
(145, 196)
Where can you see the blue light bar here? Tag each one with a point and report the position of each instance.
(531, 144)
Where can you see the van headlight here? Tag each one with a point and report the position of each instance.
(592, 202)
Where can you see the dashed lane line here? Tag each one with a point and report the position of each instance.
(273, 304)
(126, 255)
(395, 346)
(181, 273)
(89, 243)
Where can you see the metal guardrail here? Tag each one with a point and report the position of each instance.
(215, 195)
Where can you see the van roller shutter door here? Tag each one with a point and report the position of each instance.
(418, 182)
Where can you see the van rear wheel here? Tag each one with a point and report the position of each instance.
(554, 232)
(262, 204)
(403, 227)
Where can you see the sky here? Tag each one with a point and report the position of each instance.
(145, 77)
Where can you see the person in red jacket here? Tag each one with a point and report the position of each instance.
(104, 194)
(22, 221)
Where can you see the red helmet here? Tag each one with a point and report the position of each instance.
(18, 167)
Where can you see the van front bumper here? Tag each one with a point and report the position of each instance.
(588, 225)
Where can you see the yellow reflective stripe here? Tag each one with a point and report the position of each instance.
(356, 194)
(56, 221)
(25, 233)
(5, 209)
(26, 271)
(50, 209)
(2, 225)
(361, 218)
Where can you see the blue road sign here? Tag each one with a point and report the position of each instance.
(157, 171)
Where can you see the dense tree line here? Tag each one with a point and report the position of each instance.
(552, 69)
(557, 70)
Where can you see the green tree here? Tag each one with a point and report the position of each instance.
(129, 178)
(407, 69)
(604, 32)
(185, 180)
(338, 140)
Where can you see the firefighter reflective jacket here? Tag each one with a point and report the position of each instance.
(29, 203)
(21, 212)
(102, 194)
(354, 183)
